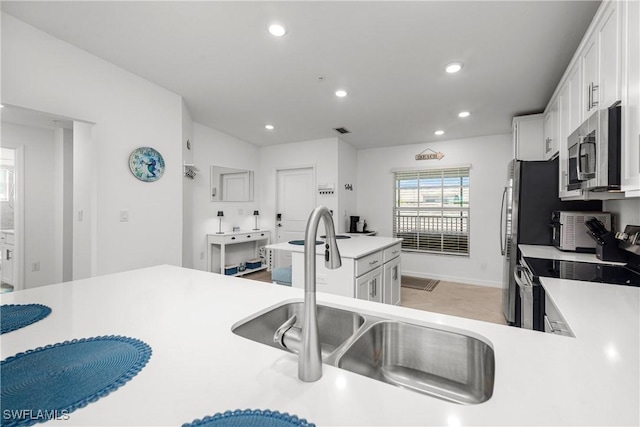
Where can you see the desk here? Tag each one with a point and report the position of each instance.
(236, 247)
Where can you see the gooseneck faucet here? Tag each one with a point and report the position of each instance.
(306, 340)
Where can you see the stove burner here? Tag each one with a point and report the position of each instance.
(584, 271)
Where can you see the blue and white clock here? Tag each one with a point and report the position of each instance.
(146, 164)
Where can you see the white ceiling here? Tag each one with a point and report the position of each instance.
(236, 77)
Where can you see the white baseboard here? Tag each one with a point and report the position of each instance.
(464, 280)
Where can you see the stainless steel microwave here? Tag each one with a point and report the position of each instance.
(594, 152)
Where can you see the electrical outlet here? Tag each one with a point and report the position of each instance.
(240, 212)
(35, 266)
(321, 278)
(124, 216)
(80, 215)
(202, 255)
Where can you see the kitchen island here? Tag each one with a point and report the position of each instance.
(199, 367)
(371, 268)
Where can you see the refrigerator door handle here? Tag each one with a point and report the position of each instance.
(503, 233)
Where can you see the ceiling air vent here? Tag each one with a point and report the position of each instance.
(342, 130)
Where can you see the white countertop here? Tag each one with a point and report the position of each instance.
(355, 247)
(199, 367)
(551, 252)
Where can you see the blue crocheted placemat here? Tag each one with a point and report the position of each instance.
(16, 316)
(51, 382)
(250, 418)
(301, 242)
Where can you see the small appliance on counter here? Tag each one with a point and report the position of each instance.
(570, 232)
(357, 226)
(353, 224)
(607, 248)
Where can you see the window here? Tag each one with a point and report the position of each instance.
(431, 210)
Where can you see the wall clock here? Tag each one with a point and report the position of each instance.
(146, 164)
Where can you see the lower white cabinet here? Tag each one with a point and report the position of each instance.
(392, 277)
(372, 277)
(370, 285)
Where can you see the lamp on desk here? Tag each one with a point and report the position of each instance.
(256, 214)
(220, 215)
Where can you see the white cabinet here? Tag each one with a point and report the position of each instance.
(528, 137)
(369, 286)
(601, 61)
(550, 130)
(392, 277)
(391, 273)
(569, 118)
(630, 165)
(373, 276)
(7, 248)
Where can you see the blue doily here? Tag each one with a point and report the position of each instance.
(250, 418)
(51, 382)
(16, 316)
(301, 242)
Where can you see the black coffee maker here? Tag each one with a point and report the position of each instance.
(353, 227)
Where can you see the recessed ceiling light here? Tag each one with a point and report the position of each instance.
(277, 30)
(453, 67)
(269, 127)
(464, 114)
(341, 93)
(439, 132)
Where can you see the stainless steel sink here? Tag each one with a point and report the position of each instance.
(335, 326)
(444, 364)
(449, 365)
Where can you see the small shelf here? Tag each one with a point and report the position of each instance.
(247, 271)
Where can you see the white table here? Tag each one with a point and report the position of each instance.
(228, 248)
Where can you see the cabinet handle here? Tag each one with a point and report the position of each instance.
(591, 100)
(233, 238)
(9, 254)
(374, 262)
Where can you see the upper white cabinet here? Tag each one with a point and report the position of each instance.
(604, 69)
(630, 178)
(601, 60)
(528, 137)
(551, 131)
(569, 118)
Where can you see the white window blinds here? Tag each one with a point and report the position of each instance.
(431, 210)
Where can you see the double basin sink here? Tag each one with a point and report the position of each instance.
(449, 365)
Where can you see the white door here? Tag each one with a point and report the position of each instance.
(295, 199)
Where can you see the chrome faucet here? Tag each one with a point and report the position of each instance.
(306, 340)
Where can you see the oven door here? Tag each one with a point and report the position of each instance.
(524, 280)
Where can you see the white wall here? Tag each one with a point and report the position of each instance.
(187, 189)
(347, 174)
(322, 154)
(39, 190)
(46, 74)
(63, 204)
(488, 157)
(625, 212)
(212, 147)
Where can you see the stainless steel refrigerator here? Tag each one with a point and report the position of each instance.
(528, 199)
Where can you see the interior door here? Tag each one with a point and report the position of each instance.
(295, 199)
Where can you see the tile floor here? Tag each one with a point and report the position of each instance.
(457, 299)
